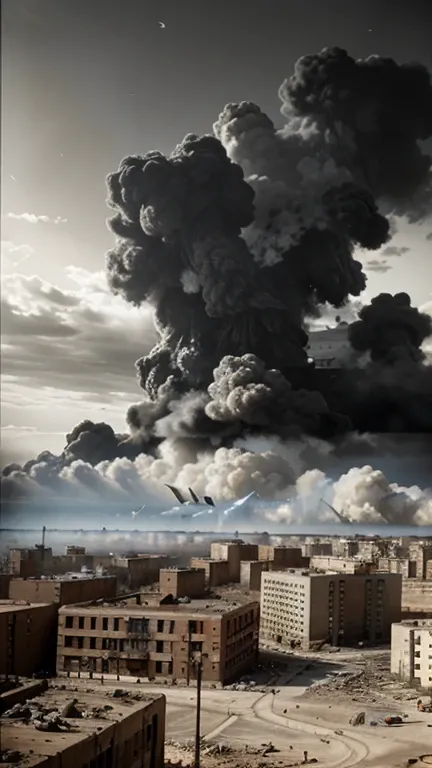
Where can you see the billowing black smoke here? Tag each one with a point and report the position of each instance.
(236, 238)
(376, 111)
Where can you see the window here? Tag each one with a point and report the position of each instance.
(171, 627)
(93, 622)
(121, 645)
(80, 622)
(68, 641)
(160, 625)
(158, 667)
(105, 624)
(104, 643)
(192, 627)
(93, 643)
(80, 642)
(69, 622)
(149, 734)
(138, 626)
(159, 646)
(116, 625)
(170, 667)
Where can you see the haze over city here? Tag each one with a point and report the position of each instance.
(268, 176)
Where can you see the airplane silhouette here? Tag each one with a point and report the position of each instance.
(205, 507)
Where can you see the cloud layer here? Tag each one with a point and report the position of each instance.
(32, 218)
(71, 339)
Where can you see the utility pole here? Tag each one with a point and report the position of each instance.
(198, 668)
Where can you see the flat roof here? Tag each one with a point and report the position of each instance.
(7, 606)
(205, 608)
(78, 576)
(23, 738)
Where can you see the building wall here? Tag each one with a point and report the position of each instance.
(144, 569)
(424, 556)
(217, 572)
(337, 608)
(404, 566)
(317, 548)
(281, 557)
(188, 582)
(136, 740)
(156, 643)
(5, 579)
(27, 639)
(29, 562)
(339, 564)
(411, 652)
(62, 591)
(250, 574)
(417, 595)
(234, 553)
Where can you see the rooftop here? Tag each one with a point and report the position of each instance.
(19, 605)
(418, 623)
(149, 604)
(79, 575)
(99, 712)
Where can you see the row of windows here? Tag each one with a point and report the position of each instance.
(135, 625)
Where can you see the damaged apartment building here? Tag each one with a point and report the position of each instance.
(50, 729)
(304, 609)
(153, 637)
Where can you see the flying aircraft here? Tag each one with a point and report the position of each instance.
(195, 500)
(198, 508)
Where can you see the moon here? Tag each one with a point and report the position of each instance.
(162, 25)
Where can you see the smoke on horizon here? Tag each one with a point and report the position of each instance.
(236, 239)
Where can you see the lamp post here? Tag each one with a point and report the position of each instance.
(198, 670)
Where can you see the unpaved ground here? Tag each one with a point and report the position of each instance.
(295, 716)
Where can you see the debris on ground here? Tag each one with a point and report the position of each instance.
(358, 718)
(369, 682)
(10, 756)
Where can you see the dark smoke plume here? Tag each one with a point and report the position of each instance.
(235, 240)
(391, 330)
(376, 112)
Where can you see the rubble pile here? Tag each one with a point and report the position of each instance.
(10, 756)
(357, 686)
(223, 755)
(50, 718)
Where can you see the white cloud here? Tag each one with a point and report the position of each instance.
(83, 339)
(32, 218)
(13, 255)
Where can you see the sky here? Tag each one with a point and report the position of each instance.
(87, 82)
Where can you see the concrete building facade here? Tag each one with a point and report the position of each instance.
(411, 652)
(250, 574)
(402, 565)
(306, 609)
(234, 552)
(27, 638)
(182, 582)
(282, 557)
(63, 589)
(417, 595)
(143, 569)
(340, 564)
(312, 548)
(32, 561)
(217, 572)
(131, 737)
(127, 637)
